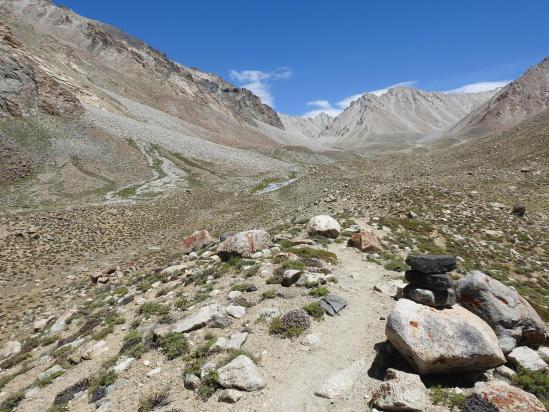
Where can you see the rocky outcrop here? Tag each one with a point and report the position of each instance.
(442, 341)
(26, 88)
(244, 244)
(509, 314)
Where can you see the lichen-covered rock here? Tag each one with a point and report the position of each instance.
(365, 241)
(323, 225)
(401, 391)
(508, 313)
(241, 373)
(244, 244)
(196, 241)
(442, 341)
(507, 398)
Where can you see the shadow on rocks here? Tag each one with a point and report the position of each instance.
(387, 357)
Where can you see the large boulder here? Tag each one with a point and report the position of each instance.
(196, 241)
(507, 398)
(365, 241)
(323, 225)
(509, 314)
(241, 373)
(401, 391)
(442, 341)
(244, 244)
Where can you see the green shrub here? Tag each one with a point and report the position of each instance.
(444, 396)
(536, 382)
(104, 378)
(173, 345)
(269, 294)
(15, 360)
(153, 308)
(155, 400)
(241, 287)
(209, 384)
(306, 252)
(11, 402)
(319, 292)
(314, 310)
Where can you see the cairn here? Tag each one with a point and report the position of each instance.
(430, 283)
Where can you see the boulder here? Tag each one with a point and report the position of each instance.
(390, 287)
(519, 210)
(526, 358)
(241, 373)
(508, 313)
(196, 241)
(191, 322)
(507, 398)
(435, 298)
(236, 311)
(191, 382)
(437, 281)
(244, 244)
(365, 241)
(323, 225)
(431, 264)
(11, 348)
(401, 391)
(442, 341)
(332, 304)
(543, 352)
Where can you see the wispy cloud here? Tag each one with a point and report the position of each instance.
(478, 87)
(259, 82)
(334, 109)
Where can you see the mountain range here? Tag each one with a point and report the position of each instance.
(107, 111)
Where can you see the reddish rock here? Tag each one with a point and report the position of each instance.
(507, 398)
(94, 277)
(196, 241)
(365, 241)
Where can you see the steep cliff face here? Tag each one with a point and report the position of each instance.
(123, 63)
(521, 99)
(25, 87)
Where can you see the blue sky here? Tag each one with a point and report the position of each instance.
(302, 56)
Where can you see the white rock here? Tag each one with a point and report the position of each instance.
(11, 348)
(94, 349)
(505, 371)
(401, 391)
(123, 363)
(234, 342)
(175, 269)
(51, 371)
(543, 352)
(313, 340)
(154, 372)
(241, 373)
(191, 322)
(234, 294)
(341, 381)
(235, 311)
(323, 225)
(524, 357)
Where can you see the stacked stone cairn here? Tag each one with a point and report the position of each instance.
(429, 281)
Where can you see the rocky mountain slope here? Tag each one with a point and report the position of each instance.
(518, 101)
(399, 117)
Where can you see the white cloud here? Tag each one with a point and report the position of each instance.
(259, 82)
(324, 106)
(478, 87)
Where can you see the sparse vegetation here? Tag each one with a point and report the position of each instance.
(314, 310)
(155, 400)
(536, 382)
(319, 292)
(173, 345)
(447, 397)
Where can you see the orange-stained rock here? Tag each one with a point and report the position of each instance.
(365, 241)
(197, 240)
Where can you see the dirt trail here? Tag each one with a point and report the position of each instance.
(347, 343)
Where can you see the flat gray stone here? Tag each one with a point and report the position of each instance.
(333, 304)
(241, 373)
(431, 263)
